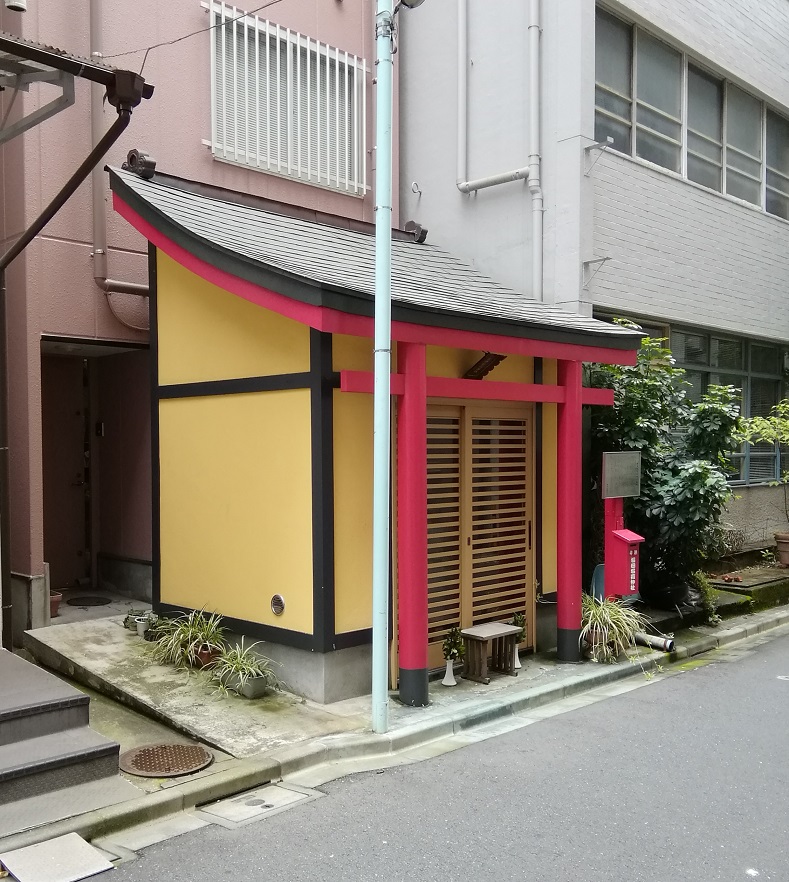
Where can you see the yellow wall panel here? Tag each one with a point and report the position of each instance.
(353, 510)
(236, 505)
(352, 353)
(206, 333)
(549, 440)
(514, 369)
(443, 362)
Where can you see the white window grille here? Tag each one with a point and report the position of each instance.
(285, 103)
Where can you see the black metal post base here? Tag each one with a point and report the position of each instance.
(568, 648)
(413, 687)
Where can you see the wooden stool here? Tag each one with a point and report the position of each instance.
(475, 659)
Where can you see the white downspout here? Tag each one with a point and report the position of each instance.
(109, 286)
(531, 172)
(535, 182)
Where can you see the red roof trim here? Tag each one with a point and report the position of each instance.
(335, 322)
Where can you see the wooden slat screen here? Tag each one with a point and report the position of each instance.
(499, 518)
(443, 524)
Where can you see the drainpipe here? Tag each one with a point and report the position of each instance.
(132, 92)
(531, 172)
(97, 175)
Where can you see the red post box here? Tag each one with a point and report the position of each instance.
(621, 477)
(621, 565)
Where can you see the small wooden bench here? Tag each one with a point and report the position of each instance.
(502, 655)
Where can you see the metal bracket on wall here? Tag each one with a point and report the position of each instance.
(598, 263)
(599, 147)
(21, 83)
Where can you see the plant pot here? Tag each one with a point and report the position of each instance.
(253, 687)
(142, 623)
(516, 658)
(449, 676)
(54, 603)
(782, 548)
(206, 656)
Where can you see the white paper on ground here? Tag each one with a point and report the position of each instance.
(63, 859)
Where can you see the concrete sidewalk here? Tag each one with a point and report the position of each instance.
(264, 740)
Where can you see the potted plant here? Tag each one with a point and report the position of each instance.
(242, 670)
(608, 628)
(54, 603)
(130, 619)
(144, 622)
(454, 650)
(519, 621)
(192, 639)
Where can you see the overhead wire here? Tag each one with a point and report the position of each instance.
(220, 24)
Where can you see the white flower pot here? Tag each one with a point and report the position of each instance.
(516, 659)
(142, 624)
(449, 676)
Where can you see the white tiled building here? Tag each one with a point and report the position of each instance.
(682, 222)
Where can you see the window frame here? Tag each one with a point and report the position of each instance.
(262, 86)
(727, 151)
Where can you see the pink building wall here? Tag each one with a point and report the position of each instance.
(51, 290)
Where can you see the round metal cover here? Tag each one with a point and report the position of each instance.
(88, 600)
(165, 760)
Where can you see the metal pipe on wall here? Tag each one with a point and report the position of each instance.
(99, 216)
(532, 172)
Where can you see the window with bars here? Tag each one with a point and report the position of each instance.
(286, 104)
(660, 106)
(754, 368)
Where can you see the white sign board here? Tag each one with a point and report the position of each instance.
(621, 474)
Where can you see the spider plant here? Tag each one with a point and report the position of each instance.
(239, 668)
(185, 636)
(608, 628)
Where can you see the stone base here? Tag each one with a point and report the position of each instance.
(125, 576)
(321, 677)
(30, 600)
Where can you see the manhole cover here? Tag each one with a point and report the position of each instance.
(165, 760)
(88, 601)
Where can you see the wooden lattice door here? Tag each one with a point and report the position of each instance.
(479, 491)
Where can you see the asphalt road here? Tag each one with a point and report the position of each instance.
(685, 779)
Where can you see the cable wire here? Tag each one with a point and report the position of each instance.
(221, 24)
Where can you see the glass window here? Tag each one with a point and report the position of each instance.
(705, 125)
(726, 354)
(659, 102)
(743, 145)
(753, 368)
(613, 89)
(764, 359)
(777, 165)
(688, 348)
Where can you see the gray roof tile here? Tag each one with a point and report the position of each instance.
(426, 279)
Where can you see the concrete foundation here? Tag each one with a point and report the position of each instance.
(125, 576)
(30, 599)
(325, 678)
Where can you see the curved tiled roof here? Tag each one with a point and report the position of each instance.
(335, 267)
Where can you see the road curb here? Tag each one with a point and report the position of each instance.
(246, 774)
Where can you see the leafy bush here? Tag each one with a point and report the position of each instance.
(684, 449)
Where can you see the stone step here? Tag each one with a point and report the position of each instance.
(33, 702)
(54, 761)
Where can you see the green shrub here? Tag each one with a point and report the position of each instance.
(684, 448)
